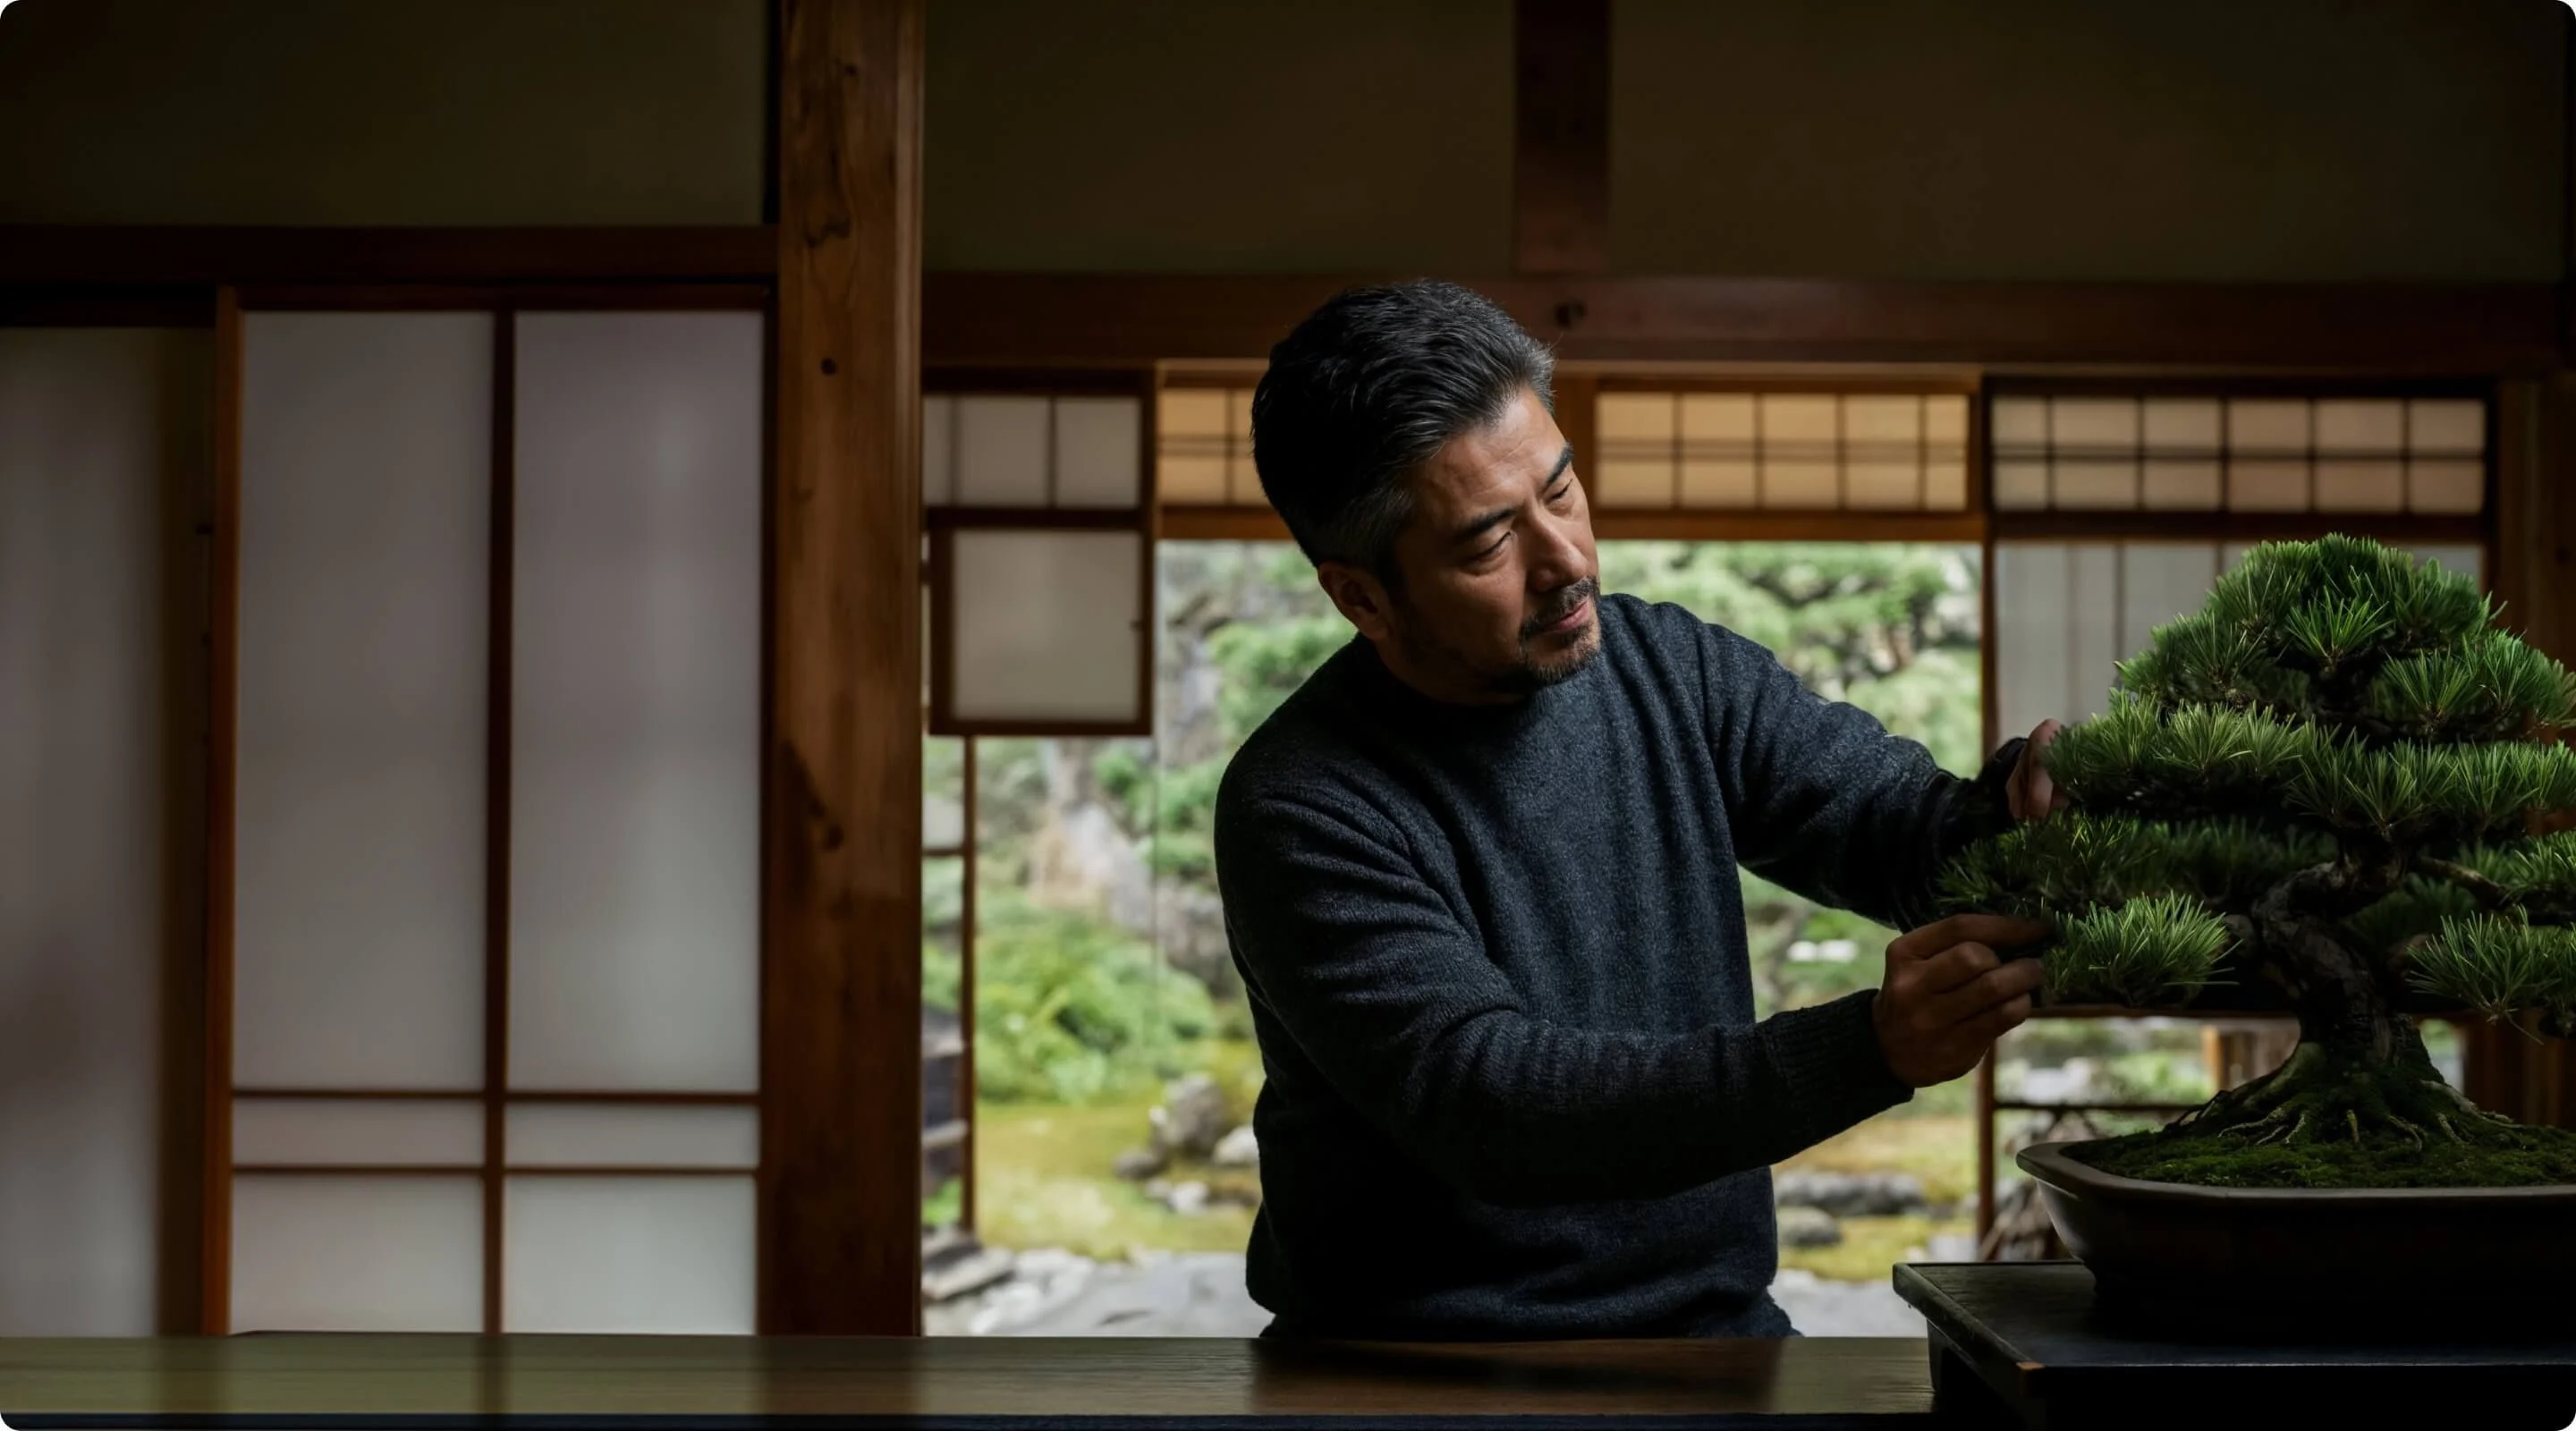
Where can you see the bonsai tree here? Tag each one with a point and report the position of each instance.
(2322, 791)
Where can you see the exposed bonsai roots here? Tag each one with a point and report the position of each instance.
(2318, 1096)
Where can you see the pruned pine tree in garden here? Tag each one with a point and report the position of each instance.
(2322, 786)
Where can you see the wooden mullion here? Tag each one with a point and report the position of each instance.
(222, 746)
(499, 646)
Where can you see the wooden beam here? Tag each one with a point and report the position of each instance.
(841, 946)
(1073, 320)
(223, 711)
(1561, 141)
(156, 254)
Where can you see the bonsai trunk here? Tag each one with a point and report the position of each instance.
(2360, 1067)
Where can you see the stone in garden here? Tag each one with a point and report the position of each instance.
(1852, 1194)
(1238, 1149)
(1807, 1227)
(1192, 1117)
(1189, 1199)
(1138, 1164)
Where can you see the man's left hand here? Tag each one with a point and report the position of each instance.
(2030, 794)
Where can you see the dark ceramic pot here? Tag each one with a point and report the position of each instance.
(2252, 1259)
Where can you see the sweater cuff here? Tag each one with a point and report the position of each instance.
(1831, 1066)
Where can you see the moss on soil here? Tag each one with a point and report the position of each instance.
(2504, 1157)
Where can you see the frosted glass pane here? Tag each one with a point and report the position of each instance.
(1189, 464)
(1717, 450)
(358, 835)
(2267, 485)
(2445, 485)
(635, 776)
(611, 1254)
(353, 1132)
(2032, 585)
(2348, 426)
(1098, 453)
(2259, 425)
(601, 1135)
(1636, 417)
(2360, 485)
(2018, 422)
(2096, 483)
(2451, 427)
(1047, 626)
(2101, 426)
(104, 456)
(2157, 584)
(1883, 485)
(1632, 482)
(2184, 427)
(358, 1254)
(2021, 486)
(2171, 485)
(2094, 650)
(938, 450)
(1882, 451)
(1001, 451)
(1243, 479)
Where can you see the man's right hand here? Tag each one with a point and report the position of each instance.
(1948, 996)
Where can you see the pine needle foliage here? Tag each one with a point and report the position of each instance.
(2336, 708)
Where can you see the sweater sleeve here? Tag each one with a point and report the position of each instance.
(1824, 801)
(1392, 998)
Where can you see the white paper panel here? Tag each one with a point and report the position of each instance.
(2180, 485)
(2159, 582)
(2354, 426)
(634, 911)
(2361, 485)
(365, 504)
(1099, 459)
(2454, 427)
(353, 1132)
(2267, 425)
(1190, 463)
(938, 450)
(1047, 625)
(2094, 651)
(607, 1135)
(2019, 422)
(104, 454)
(613, 1254)
(2096, 483)
(1633, 483)
(2104, 426)
(2446, 485)
(1717, 450)
(2031, 588)
(2267, 484)
(1002, 450)
(2021, 485)
(1883, 485)
(2183, 426)
(362, 1254)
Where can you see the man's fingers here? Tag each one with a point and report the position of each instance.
(1954, 968)
(2017, 979)
(1994, 930)
(1994, 1023)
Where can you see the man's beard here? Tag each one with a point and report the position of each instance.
(1527, 675)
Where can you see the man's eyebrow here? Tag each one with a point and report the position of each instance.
(1484, 522)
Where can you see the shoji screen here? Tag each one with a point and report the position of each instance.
(2067, 611)
(1040, 511)
(496, 938)
(104, 461)
(1707, 448)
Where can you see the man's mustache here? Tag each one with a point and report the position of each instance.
(1561, 604)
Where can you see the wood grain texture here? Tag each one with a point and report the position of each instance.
(1561, 136)
(223, 708)
(499, 643)
(990, 1381)
(131, 254)
(841, 966)
(1056, 320)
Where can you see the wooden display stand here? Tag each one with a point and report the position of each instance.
(2024, 1344)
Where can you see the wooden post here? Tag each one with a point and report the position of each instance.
(223, 676)
(841, 986)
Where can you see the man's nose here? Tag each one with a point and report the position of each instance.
(1558, 557)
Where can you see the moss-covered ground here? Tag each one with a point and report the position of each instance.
(2502, 1157)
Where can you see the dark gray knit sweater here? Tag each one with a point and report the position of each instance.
(1496, 963)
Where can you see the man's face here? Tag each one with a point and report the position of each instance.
(1499, 574)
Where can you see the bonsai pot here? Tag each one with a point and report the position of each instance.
(2302, 1260)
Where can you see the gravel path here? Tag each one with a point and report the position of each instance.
(1200, 1294)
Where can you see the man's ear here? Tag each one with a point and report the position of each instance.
(1359, 596)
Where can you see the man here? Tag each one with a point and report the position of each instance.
(1479, 878)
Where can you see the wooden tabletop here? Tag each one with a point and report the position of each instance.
(417, 1383)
